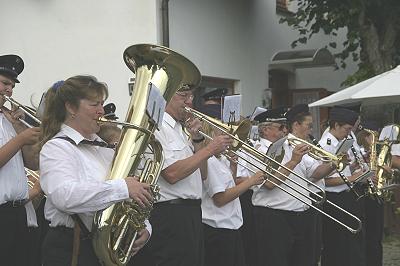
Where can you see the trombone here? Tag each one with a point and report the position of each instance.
(26, 110)
(265, 164)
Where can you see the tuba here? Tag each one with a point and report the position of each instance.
(115, 228)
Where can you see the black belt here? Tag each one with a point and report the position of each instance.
(14, 204)
(186, 202)
(284, 212)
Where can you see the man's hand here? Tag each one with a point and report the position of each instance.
(219, 144)
(29, 136)
(298, 152)
(139, 192)
(193, 125)
(140, 241)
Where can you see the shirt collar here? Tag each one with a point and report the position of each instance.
(73, 134)
(170, 120)
(265, 142)
(334, 140)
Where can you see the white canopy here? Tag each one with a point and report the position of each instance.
(381, 89)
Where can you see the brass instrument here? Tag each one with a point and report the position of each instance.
(320, 154)
(26, 110)
(35, 176)
(340, 161)
(385, 180)
(372, 189)
(271, 167)
(115, 228)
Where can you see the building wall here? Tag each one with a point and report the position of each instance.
(237, 39)
(59, 39)
(224, 38)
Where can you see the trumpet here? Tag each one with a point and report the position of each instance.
(320, 154)
(26, 110)
(271, 168)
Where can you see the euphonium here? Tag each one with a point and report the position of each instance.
(115, 228)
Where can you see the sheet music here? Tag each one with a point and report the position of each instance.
(156, 105)
(344, 146)
(276, 148)
(231, 108)
(257, 111)
(254, 133)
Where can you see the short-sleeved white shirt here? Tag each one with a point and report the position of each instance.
(176, 146)
(219, 179)
(277, 198)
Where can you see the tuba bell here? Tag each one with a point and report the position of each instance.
(115, 228)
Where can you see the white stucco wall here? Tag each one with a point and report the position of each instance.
(59, 39)
(237, 39)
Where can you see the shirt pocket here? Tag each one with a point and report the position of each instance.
(178, 149)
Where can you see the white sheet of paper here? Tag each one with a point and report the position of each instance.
(344, 146)
(254, 133)
(231, 108)
(276, 148)
(155, 105)
(257, 110)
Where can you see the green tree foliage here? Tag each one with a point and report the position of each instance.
(373, 28)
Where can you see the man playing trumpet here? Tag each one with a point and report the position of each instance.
(15, 152)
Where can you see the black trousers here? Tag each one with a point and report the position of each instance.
(57, 249)
(14, 243)
(177, 238)
(37, 235)
(248, 229)
(284, 237)
(223, 247)
(373, 232)
(340, 246)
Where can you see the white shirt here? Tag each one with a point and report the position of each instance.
(395, 149)
(277, 198)
(176, 147)
(219, 179)
(73, 178)
(330, 143)
(13, 180)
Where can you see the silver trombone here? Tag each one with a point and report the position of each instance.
(270, 167)
(27, 111)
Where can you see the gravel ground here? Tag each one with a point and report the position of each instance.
(391, 250)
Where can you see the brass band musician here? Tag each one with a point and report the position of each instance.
(16, 151)
(283, 223)
(340, 247)
(73, 170)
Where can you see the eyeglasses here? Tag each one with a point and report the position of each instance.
(187, 96)
(279, 127)
(7, 83)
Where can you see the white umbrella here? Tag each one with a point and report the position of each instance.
(381, 89)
